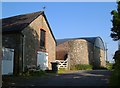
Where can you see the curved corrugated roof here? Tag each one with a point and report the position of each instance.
(92, 40)
(89, 39)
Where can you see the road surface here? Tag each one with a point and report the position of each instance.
(94, 78)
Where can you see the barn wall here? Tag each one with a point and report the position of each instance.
(81, 51)
(99, 53)
(102, 58)
(50, 45)
(12, 40)
(91, 53)
(62, 51)
(32, 41)
(78, 52)
(96, 57)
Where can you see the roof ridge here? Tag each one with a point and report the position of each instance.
(22, 14)
(19, 21)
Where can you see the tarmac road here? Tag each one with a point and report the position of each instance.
(94, 78)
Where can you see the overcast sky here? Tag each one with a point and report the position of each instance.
(71, 19)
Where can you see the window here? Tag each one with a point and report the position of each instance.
(42, 39)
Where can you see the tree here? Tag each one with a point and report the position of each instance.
(114, 80)
(116, 23)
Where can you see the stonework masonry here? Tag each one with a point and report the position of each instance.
(81, 51)
(32, 41)
(12, 40)
(26, 44)
(78, 52)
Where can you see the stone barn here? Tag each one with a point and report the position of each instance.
(27, 41)
(90, 51)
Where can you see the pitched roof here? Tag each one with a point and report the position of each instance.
(89, 39)
(19, 22)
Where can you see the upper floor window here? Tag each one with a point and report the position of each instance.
(42, 39)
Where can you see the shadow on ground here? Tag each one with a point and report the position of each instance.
(95, 78)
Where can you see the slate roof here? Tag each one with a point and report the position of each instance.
(19, 22)
(89, 39)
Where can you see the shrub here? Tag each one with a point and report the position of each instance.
(37, 73)
(34, 73)
(109, 66)
(82, 67)
(115, 77)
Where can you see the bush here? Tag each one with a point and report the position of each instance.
(34, 73)
(109, 66)
(37, 73)
(82, 67)
(115, 77)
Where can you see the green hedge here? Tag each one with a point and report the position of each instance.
(109, 66)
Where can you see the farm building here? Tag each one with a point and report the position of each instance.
(27, 41)
(89, 51)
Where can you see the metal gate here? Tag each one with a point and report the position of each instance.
(42, 60)
(7, 61)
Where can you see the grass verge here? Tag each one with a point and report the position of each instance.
(82, 67)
